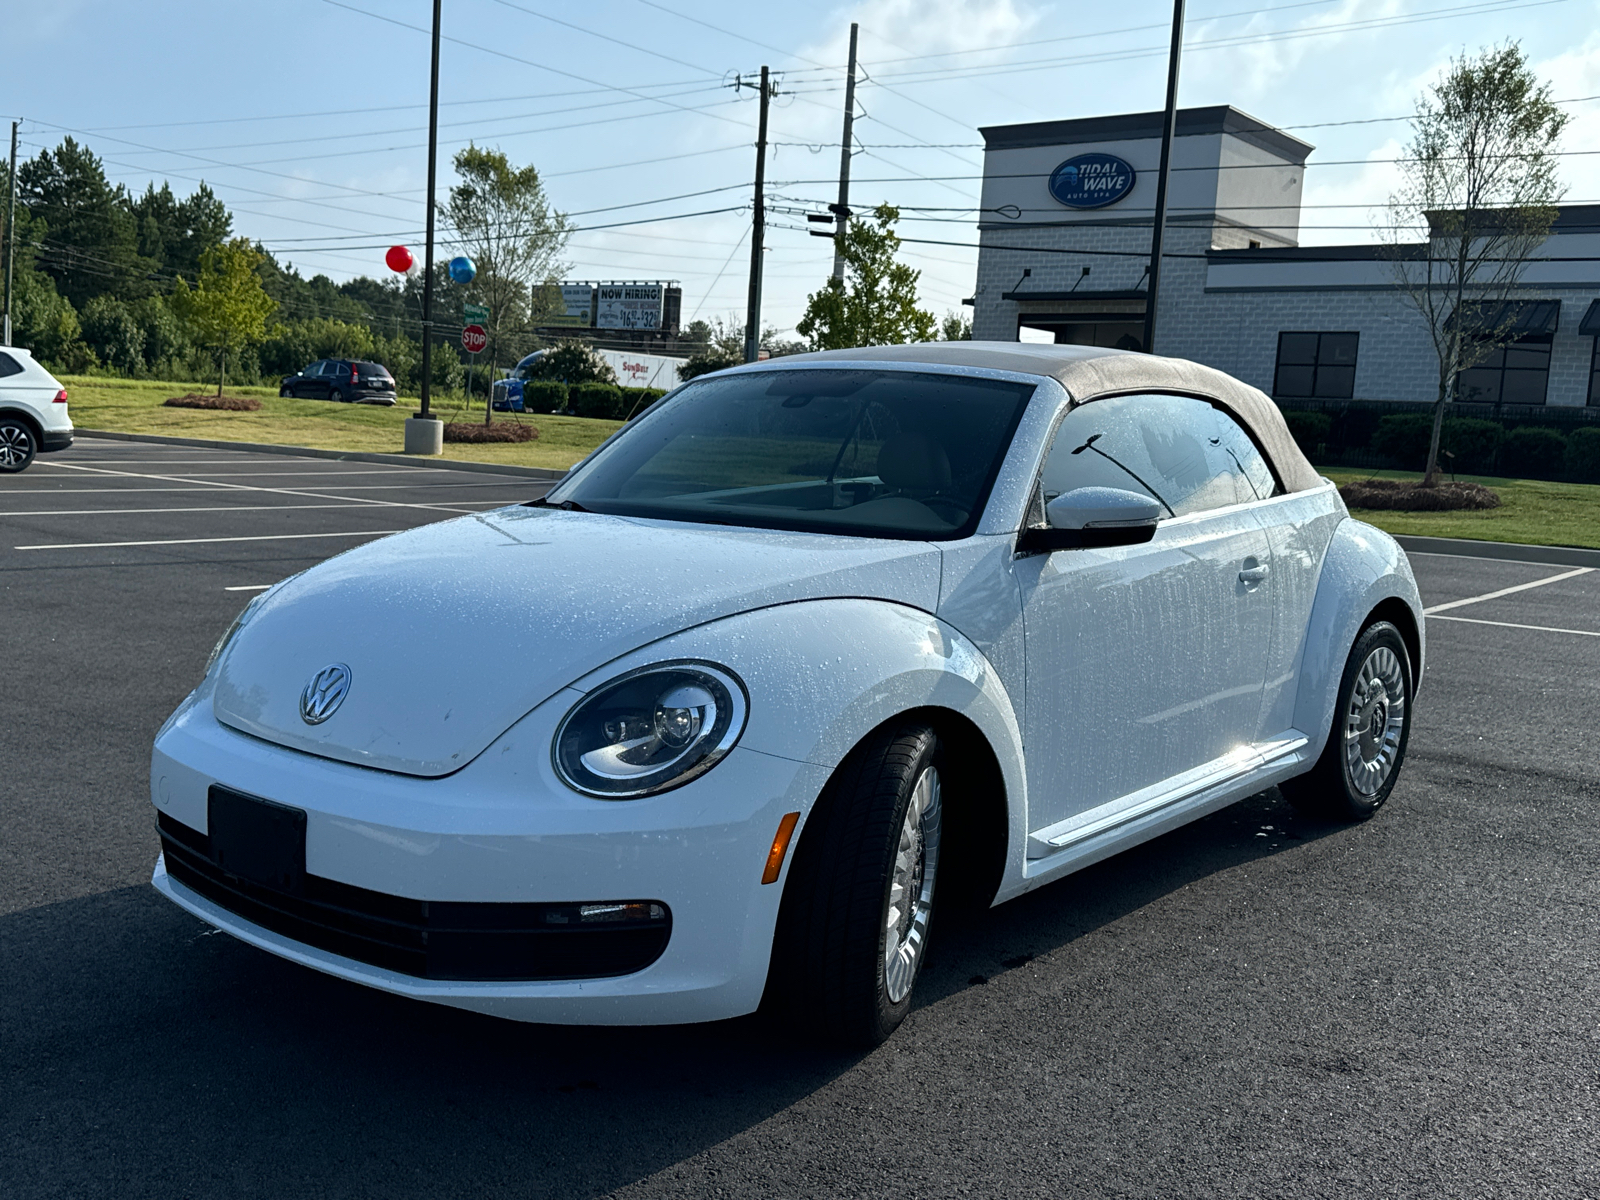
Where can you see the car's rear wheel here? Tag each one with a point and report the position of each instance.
(853, 928)
(336, 396)
(1371, 725)
(17, 445)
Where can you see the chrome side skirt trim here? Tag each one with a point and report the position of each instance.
(1230, 768)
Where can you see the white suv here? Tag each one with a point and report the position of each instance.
(33, 410)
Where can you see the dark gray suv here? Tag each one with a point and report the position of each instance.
(341, 379)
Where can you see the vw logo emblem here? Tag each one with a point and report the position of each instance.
(324, 694)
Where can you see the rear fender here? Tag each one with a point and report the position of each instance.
(1363, 570)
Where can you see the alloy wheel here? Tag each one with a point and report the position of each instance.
(1374, 720)
(911, 881)
(16, 447)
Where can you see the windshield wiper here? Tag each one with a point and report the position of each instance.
(1090, 445)
(563, 505)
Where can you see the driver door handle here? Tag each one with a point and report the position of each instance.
(1252, 571)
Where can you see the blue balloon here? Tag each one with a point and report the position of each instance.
(463, 269)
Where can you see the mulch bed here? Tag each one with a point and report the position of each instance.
(227, 403)
(506, 431)
(1405, 495)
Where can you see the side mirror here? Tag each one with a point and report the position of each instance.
(1093, 516)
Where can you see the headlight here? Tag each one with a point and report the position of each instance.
(650, 730)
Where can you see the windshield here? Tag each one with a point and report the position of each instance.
(874, 453)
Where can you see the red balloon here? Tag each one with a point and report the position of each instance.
(399, 259)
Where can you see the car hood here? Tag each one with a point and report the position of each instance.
(454, 631)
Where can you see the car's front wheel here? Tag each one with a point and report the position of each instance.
(853, 927)
(1371, 724)
(284, 392)
(17, 445)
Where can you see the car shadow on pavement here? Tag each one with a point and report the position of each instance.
(146, 1055)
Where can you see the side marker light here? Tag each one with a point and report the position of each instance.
(780, 847)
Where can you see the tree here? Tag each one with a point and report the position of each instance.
(877, 303)
(227, 308)
(113, 334)
(1479, 187)
(91, 246)
(504, 222)
(956, 327)
(572, 362)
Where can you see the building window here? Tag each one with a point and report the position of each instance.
(1514, 374)
(1594, 373)
(1318, 366)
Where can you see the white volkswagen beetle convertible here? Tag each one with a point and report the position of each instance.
(808, 651)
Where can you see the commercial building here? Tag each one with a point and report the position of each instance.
(1064, 255)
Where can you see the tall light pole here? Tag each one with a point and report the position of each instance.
(424, 432)
(1168, 130)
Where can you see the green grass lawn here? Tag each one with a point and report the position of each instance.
(135, 406)
(1531, 511)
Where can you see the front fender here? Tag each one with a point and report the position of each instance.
(1363, 568)
(822, 674)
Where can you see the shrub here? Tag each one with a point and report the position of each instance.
(1533, 450)
(226, 403)
(1309, 429)
(573, 362)
(596, 400)
(636, 400)
(504, 431)
(1404, 438)
(544, 395)
(1583, 455)
(1408, 496)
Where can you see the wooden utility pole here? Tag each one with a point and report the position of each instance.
(1168, 132)
(752, 329)
(841, 214)
(11, 232)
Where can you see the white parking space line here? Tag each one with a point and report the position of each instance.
(303, 493)
(333, 471)
(248, 587)
(263, 537)
(354, 487)
(1521, 587)
(1514, 625)
(225, 508)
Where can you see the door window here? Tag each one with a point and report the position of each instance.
(1182, 451)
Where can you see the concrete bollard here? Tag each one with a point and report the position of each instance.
(424, 435)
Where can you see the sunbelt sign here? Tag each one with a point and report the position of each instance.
(1091, 181)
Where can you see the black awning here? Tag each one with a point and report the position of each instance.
(1590, 325)
(1509, 318)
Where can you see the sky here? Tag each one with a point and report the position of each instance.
(309, 117)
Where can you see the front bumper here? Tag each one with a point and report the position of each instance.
(503, 829)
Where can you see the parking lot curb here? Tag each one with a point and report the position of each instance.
(398, 460)
(1558, 556)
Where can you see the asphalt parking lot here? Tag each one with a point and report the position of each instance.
(1256, 1005)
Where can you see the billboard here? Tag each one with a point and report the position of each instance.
(576, 307)
(629, 305)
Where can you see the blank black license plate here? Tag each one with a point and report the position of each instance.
(258, 840)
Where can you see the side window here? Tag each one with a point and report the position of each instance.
(9, 366)
(1180, 450)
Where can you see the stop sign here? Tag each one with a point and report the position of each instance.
(474, 339)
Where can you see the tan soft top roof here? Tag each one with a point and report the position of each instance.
(1088, 372)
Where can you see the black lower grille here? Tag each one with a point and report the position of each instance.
(430, 939)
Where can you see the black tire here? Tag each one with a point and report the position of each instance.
(1350, 783)
(830, 962)
(284, 392)
(17, 445)
(336, 396)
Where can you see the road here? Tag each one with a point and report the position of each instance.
(1256, 1005)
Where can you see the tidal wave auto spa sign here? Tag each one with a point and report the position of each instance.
(1091, 181)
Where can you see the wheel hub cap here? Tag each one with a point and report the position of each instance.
(13, 446)
(1374, 721)
(910, 901)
